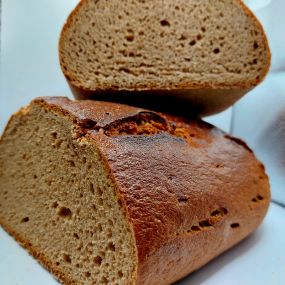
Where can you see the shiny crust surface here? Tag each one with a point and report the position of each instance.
(190, 191)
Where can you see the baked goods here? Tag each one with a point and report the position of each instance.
(206, 52)
(102, 193)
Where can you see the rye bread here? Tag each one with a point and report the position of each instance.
(102, 193)
(206, 54)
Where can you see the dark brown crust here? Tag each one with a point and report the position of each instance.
(203, 99)
(202, 102)
(184, 187)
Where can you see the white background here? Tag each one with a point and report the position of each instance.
(29, 68)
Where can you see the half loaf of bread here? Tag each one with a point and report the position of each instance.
(208, 52)
(102, 193)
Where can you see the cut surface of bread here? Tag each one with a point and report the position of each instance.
(102, 193)
(165, 45)
(62, 203)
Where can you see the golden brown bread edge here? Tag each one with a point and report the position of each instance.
(189, 191)
(200, 100)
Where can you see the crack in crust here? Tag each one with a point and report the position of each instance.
(149, 123)
(208, 223)
(144, 123)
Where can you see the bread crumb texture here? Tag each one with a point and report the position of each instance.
(58, 200)
(163, 44)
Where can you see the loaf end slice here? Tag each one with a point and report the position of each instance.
(103, 193)
(211, 52)
(58, 200)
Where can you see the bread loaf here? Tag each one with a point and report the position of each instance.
(102, 193)
(207, 52)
